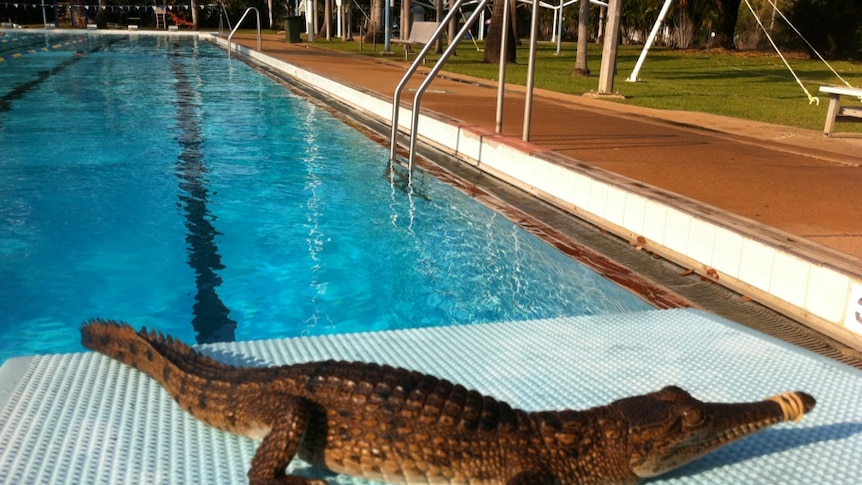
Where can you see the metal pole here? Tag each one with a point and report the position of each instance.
(634, 75)
(609, 51)
(501, 83)
(559, 27)
(396, 98)
(387, 29)
(531, 72)
(431, 75)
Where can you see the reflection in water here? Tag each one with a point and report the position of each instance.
(315, 237)
(211, 320)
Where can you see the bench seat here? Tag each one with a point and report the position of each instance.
(420, 34)
(836, 112)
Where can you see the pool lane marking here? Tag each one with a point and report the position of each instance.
(40, 49)
(20, 90)
(211, 320)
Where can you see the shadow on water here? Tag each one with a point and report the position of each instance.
(765, 443)
(20, 90)
(399, 178)
(211, 320)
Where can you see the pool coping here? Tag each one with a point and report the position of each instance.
(808, 282)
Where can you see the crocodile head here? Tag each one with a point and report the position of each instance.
(669, 428)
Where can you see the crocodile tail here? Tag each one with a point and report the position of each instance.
(202, 386)
(149, 351)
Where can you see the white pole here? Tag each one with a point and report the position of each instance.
(609, 49)
(309, 20)
(559, 27)
(634, 75)
(501, 83)
(531, 72)
(339, 11)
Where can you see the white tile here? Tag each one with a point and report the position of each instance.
(676, 231)
(598, 198)
(655, 221)
(581, 187)
(727, 252)
(491, 155)
(616, 205)
(827, 294)
(468, 144)
(789, 278)
(523, 167)
(701, 241)
(853, 320)
(755, 266)
(633, 218)
(545, 175)
(557, 183)
(565, 186)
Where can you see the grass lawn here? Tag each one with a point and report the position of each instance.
(754, 86)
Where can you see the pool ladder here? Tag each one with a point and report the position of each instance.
(454, 10)
(230, 36)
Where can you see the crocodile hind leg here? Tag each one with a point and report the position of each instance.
(287, 418)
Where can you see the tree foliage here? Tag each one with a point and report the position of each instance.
(833, 27)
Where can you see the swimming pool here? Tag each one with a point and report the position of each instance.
(150, 179)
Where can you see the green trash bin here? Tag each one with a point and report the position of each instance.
(292, 29)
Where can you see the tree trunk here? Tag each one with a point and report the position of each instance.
(375, 26)
(194, 7)
(327, 18)
(439, 47)
(581, 69)
(495, 29)
(269, 15)
(453, 25)
(348, 21)
(405, 19)
(728, 11)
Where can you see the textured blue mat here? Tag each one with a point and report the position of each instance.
(82, 418)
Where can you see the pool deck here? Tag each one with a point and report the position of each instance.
(789, 189)
(796, 180)
(115, 425)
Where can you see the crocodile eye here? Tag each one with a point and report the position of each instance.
(692, 417)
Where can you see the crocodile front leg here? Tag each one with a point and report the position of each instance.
(287, 417)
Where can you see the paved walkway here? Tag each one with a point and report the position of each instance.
(792, 179)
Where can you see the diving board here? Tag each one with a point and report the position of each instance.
(83, 418)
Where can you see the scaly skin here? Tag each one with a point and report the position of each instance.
(402, 426)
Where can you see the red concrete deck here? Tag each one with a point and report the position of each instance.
(792, 179)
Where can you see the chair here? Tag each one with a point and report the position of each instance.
(161, 23)
(179, 21)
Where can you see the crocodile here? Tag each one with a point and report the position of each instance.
(403, 426)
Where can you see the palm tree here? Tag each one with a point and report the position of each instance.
(581, 68)
(495, 29)
(375, 25)
(728, 11)
(194, 7)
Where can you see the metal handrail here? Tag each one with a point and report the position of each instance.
(414, 122)
(420, 58)
(230, 36)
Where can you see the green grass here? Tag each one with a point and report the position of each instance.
(753, 86)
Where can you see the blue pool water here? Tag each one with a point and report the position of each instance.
(152, 180)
